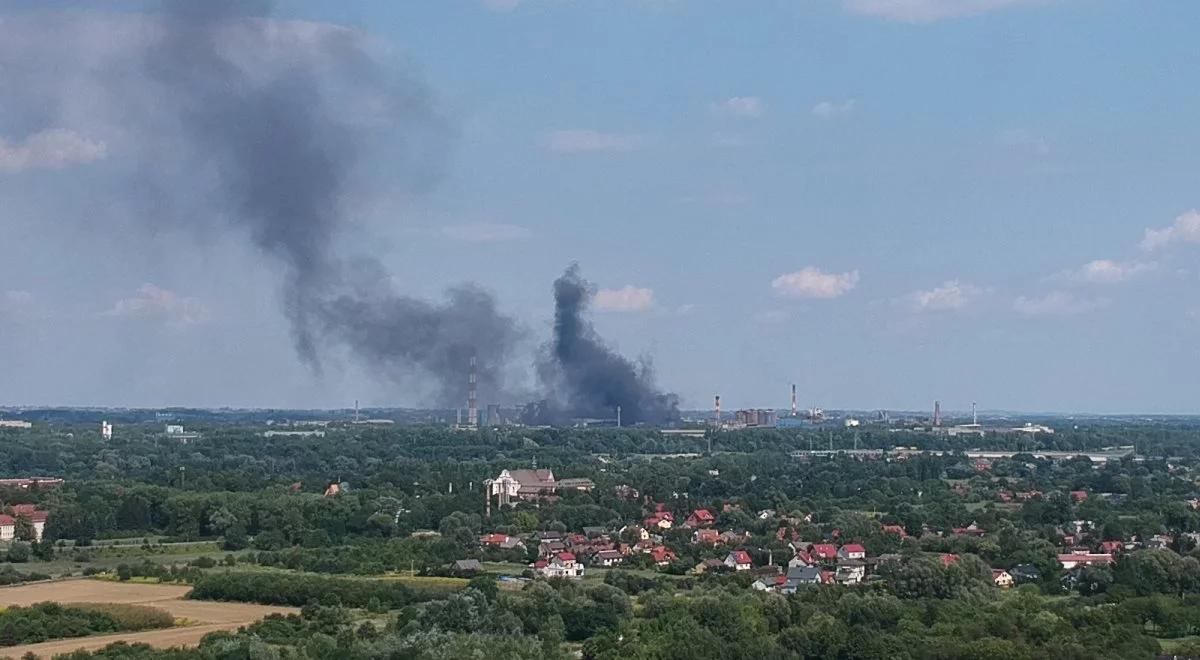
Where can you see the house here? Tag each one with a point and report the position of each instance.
(970, 530)
(706, 537)
(700, 518)
(660, 520)
(551, 547)
(1002, 578)
(35, 516)
(638, 531)
(898, 530)
(1004, 496)
(625, 492)
(769, 583)
(581, 485)
(1079, 495)
(802, 558)
(562, 565)
(662, 555)
(1071, 560)
(1025, 573)
(801, 576)
(852, 551)
(467, 566)
(709, 565)
(501, 541)
(36, 483)
(823, 551)
(851, 571)
(1111, 547)
(733, 538)
(739, 560)
(608, 558)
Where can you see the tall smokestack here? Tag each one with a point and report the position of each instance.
(472, 405)
(974, 415)
(795, 410)
(717, 419)
(937, 413)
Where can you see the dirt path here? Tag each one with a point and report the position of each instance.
(208, 616)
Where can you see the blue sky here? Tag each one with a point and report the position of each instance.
(886, 202)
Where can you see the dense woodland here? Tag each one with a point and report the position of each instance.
(414, 505)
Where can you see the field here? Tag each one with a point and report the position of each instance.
(202, 617)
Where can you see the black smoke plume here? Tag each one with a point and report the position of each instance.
(280, 152)
(590, 378)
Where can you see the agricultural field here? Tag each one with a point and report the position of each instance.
(195, 619)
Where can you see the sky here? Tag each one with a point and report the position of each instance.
(885, 202)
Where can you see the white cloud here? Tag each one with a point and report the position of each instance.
(751, 107)
(811, 282)
(626, 299)
(1107, 271)
(950, 296)
(153, 302)
(52, 149)
(584, 140)
(485, 232)
(928, 11)
(833, 109)
(1057, 303)
(1186, 229)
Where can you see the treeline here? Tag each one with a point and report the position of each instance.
(271, 588)
(44, 621)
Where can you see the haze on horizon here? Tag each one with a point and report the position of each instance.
(886, 202)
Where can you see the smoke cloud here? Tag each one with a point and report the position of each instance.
(242, 125)
(593, 380)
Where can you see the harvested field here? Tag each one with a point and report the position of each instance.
(206, 616)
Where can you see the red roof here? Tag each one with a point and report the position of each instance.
(1111, 546)
(854, 547)
(662, 553)
(6, 520)
(824, 550)
(706, 536)
(741, 557)
(566, 556)
(894, 529)
(493, 539)
(541, 563)
(702, 514)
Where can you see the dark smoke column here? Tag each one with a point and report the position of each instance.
(259, 110)
(590, 378)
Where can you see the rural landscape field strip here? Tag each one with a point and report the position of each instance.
(207, 616)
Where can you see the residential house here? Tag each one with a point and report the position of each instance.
(733, 538)
(970, 530)
(706, 537)
(1079, 495)
(501, 541)
(662, 555)
(700, 518)
(35, 516)
(801, 576)
(608, 558)
(1002, 578)
(898, 530)
(739, 560)
(660, 520)
(1071, 560)
(582, 485)
(852, 551)
(709, 565)
(467, 566)
(801, 558)
(562, 565)
(551, 547)
(823, 551)
(851, 571)
(1112, 547)
(769, 583)
(37, 483)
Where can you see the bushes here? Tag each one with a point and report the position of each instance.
(9, 575)
(298, 590)
(21, 625)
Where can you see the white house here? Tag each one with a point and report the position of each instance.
(563, 565)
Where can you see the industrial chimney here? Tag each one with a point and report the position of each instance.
(717, 420)
(795, 410)
(937, 413)
(472, 404)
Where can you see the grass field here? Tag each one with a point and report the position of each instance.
(203, 617)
